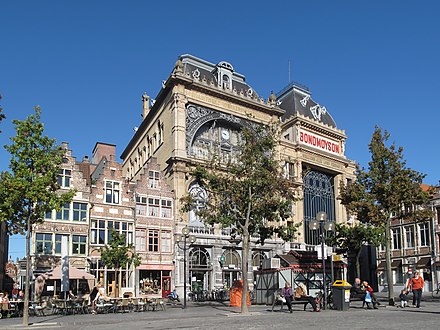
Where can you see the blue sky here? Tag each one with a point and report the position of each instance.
(87, 63)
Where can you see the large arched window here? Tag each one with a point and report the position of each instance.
(199, 259)
(216, 137)
(232, 259)
(319, 195)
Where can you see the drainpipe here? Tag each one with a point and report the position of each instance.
(434, 250)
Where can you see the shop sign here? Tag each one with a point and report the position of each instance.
(319, 142)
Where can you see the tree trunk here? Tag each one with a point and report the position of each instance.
(388, 262)
(116, 282)
(28, 275)
(244, 271)
(358, 264)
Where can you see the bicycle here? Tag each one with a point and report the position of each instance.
(319, 298)
(436, 292)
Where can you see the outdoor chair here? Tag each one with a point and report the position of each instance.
(141, 305)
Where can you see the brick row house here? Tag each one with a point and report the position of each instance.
(105, 200)
(415, 246)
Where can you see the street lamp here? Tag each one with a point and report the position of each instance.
(184, 238)
(321, 223)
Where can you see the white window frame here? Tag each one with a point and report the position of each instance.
(408, 229)
(395, 230)
(113, 190)
(426, 229)
(153, 179)
(64, 177)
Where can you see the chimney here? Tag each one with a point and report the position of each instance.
(103, 150)
(86, 159)
(65, 145)
(145, 105)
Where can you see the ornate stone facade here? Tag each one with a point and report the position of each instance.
(201, 107)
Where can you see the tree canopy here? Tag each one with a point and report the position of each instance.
(249, 194)
(30, 188)
(353, 238)
(387, 189)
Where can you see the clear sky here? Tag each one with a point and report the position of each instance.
(87, 63)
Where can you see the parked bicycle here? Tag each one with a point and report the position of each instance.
(320, 299)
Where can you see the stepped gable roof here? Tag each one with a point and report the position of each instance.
(212, 73)
(297, 99)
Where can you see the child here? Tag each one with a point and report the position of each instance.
(369, 296)
(403, 298)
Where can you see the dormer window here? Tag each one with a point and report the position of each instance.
(224, 72)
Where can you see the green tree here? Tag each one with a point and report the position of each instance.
(353, 238)
(118, 254)
(29, 189)
(386, 189)
(250, 194)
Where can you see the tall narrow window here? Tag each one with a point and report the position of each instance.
(166, 208)
(79, 212)
(153, 179)
(397, 243)
(424, 234)
(289, 171)
(141, 240)
(79, 244)
(64, 212)
(409, 236)
(112, 192)
(58, 238)
(165, 241)
(153, 240)
(153, 207)
(64, 178)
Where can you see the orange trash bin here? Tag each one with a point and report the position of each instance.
(235, 294)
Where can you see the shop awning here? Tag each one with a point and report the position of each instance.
(394, 265)
(424, 262)
(155, 267)
(74, 274)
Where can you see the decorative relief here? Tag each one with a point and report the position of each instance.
(196, 74)
(197, 116)
(305, 100)
(317, 111)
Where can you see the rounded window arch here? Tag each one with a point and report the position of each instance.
(199, 258)
(232, 258)
(257, 258)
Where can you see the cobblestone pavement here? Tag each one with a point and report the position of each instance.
(217, 316)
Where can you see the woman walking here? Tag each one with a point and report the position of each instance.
(416, 284)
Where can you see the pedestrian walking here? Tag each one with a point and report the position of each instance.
(403, 298)
(416, 284)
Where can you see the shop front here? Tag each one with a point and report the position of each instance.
(155, 279)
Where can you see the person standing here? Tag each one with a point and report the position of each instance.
(287, 293)
(416, 284)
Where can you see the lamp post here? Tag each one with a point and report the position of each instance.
(184, 238)
(321, 223)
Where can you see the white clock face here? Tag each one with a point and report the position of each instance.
(225, 134)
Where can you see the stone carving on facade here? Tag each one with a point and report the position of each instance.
(178, 67)
(317, 111)
(197, 116)
(305, 100)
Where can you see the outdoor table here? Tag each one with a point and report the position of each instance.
(155, 302)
